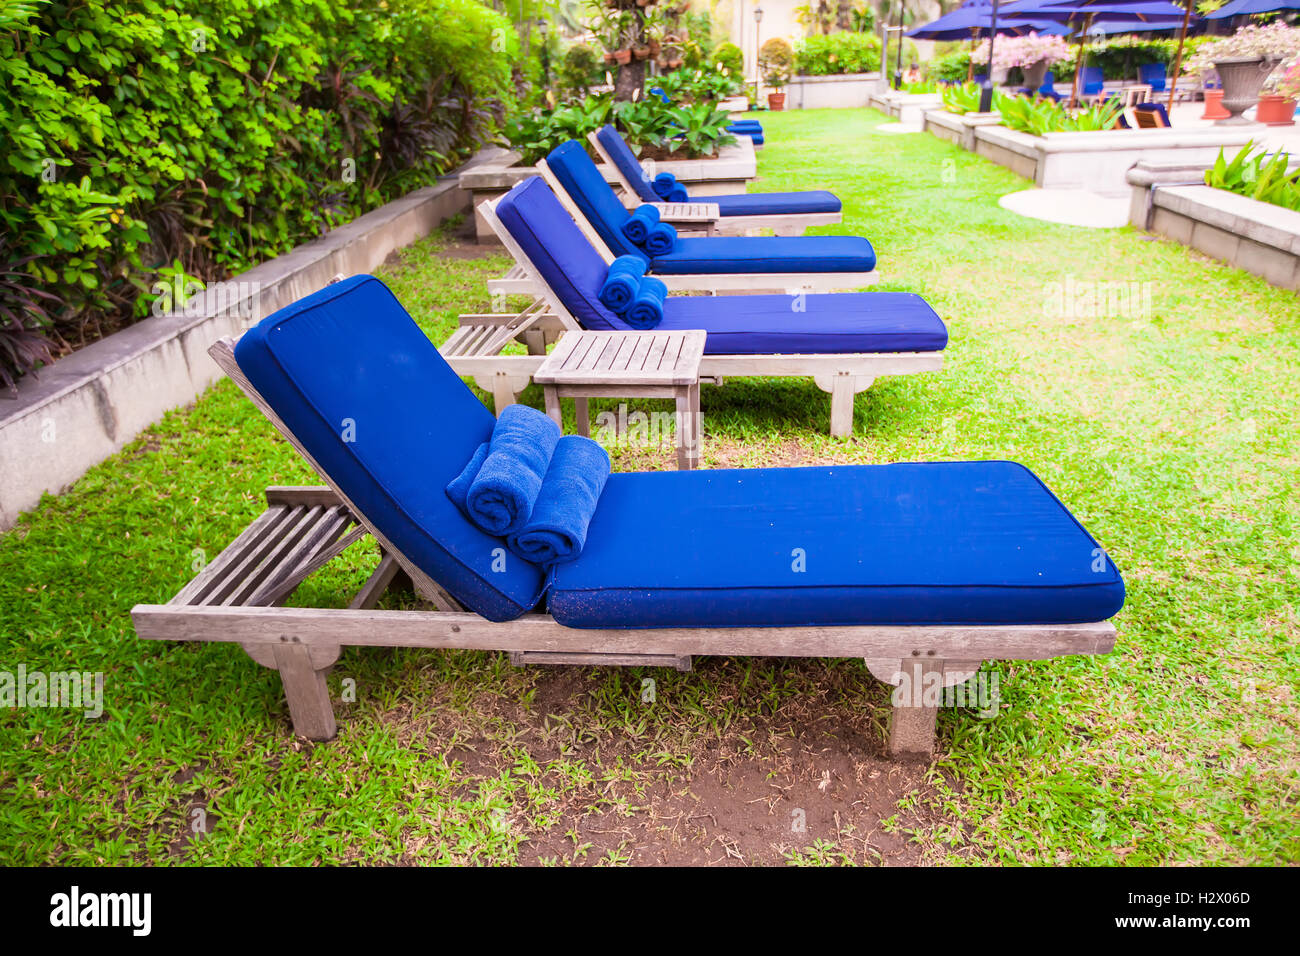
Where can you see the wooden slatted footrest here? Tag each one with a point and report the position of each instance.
(523, 658)
(301, 530)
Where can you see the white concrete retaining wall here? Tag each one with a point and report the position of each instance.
(831, 92)
(88, 405)
(1099, 162)
(1252, 235)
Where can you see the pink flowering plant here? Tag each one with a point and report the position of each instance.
(1286, 81)
(1022, 51)
(1274, 41)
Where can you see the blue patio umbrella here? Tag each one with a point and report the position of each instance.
(1236, 8)
(973, 19)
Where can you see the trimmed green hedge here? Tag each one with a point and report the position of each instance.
(150, 139)
(833, 54)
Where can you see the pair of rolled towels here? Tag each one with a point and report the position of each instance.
(531, 486)
(635, 296)
(667, 188)
(645, 230)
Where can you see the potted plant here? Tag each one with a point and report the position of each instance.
(775, 60)
(1277, 102)
(1244, 61)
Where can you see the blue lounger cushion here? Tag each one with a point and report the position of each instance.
(349, 355)
(744, 325)
(907, 544)
(710, 255)
(775, 204)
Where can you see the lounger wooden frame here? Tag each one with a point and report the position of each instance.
(782, 224)
(237, 599)
(517, 282)
(473, 350)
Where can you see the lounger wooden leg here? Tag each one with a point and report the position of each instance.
(911, 725)
(505, 391)
(582, 417)
(306, 692)
(535, 340)
(842, 386)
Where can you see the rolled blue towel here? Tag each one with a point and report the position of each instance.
(679, 194)
(458, 487)
(663, 185)
(647, 309)
(557, 530)
(619, 288)
(661, 240)
(639, 224)
(501, 497)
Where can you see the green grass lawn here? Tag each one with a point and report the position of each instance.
(1171, 431)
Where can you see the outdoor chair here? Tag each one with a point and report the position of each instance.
(843, 341)
(1154, 76)
(921, 570)
(1151, 116)
(783, 213)
(697, 264)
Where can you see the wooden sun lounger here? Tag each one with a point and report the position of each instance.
(514, 283)
(238, 599)
(701, 212)
(473, 350)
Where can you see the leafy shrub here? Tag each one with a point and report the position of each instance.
(961, 98)
(1261, 176)
(729, 57)
(696, 129)
(951, 68)
(839, 53)
(219, 133)
(775, 61)
(1039, 116)
(581, 68)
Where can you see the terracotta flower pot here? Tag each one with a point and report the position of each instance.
(776, 101)
(1214, 106)
(655, 47)
(640, 52)
(609, 58)
(623, 57)
(1242, 77)
(1275, 110)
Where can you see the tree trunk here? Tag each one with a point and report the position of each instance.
(631, 77)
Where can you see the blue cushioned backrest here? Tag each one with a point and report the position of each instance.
(389, 422)
(588, 189)
(552, 240)
(621, 153)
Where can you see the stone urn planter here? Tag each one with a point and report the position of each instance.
(1242, 78)
(1275, 110)
(1034, 74)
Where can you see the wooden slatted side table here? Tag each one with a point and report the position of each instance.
(586, 365)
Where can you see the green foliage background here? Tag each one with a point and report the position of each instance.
(146, 139)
